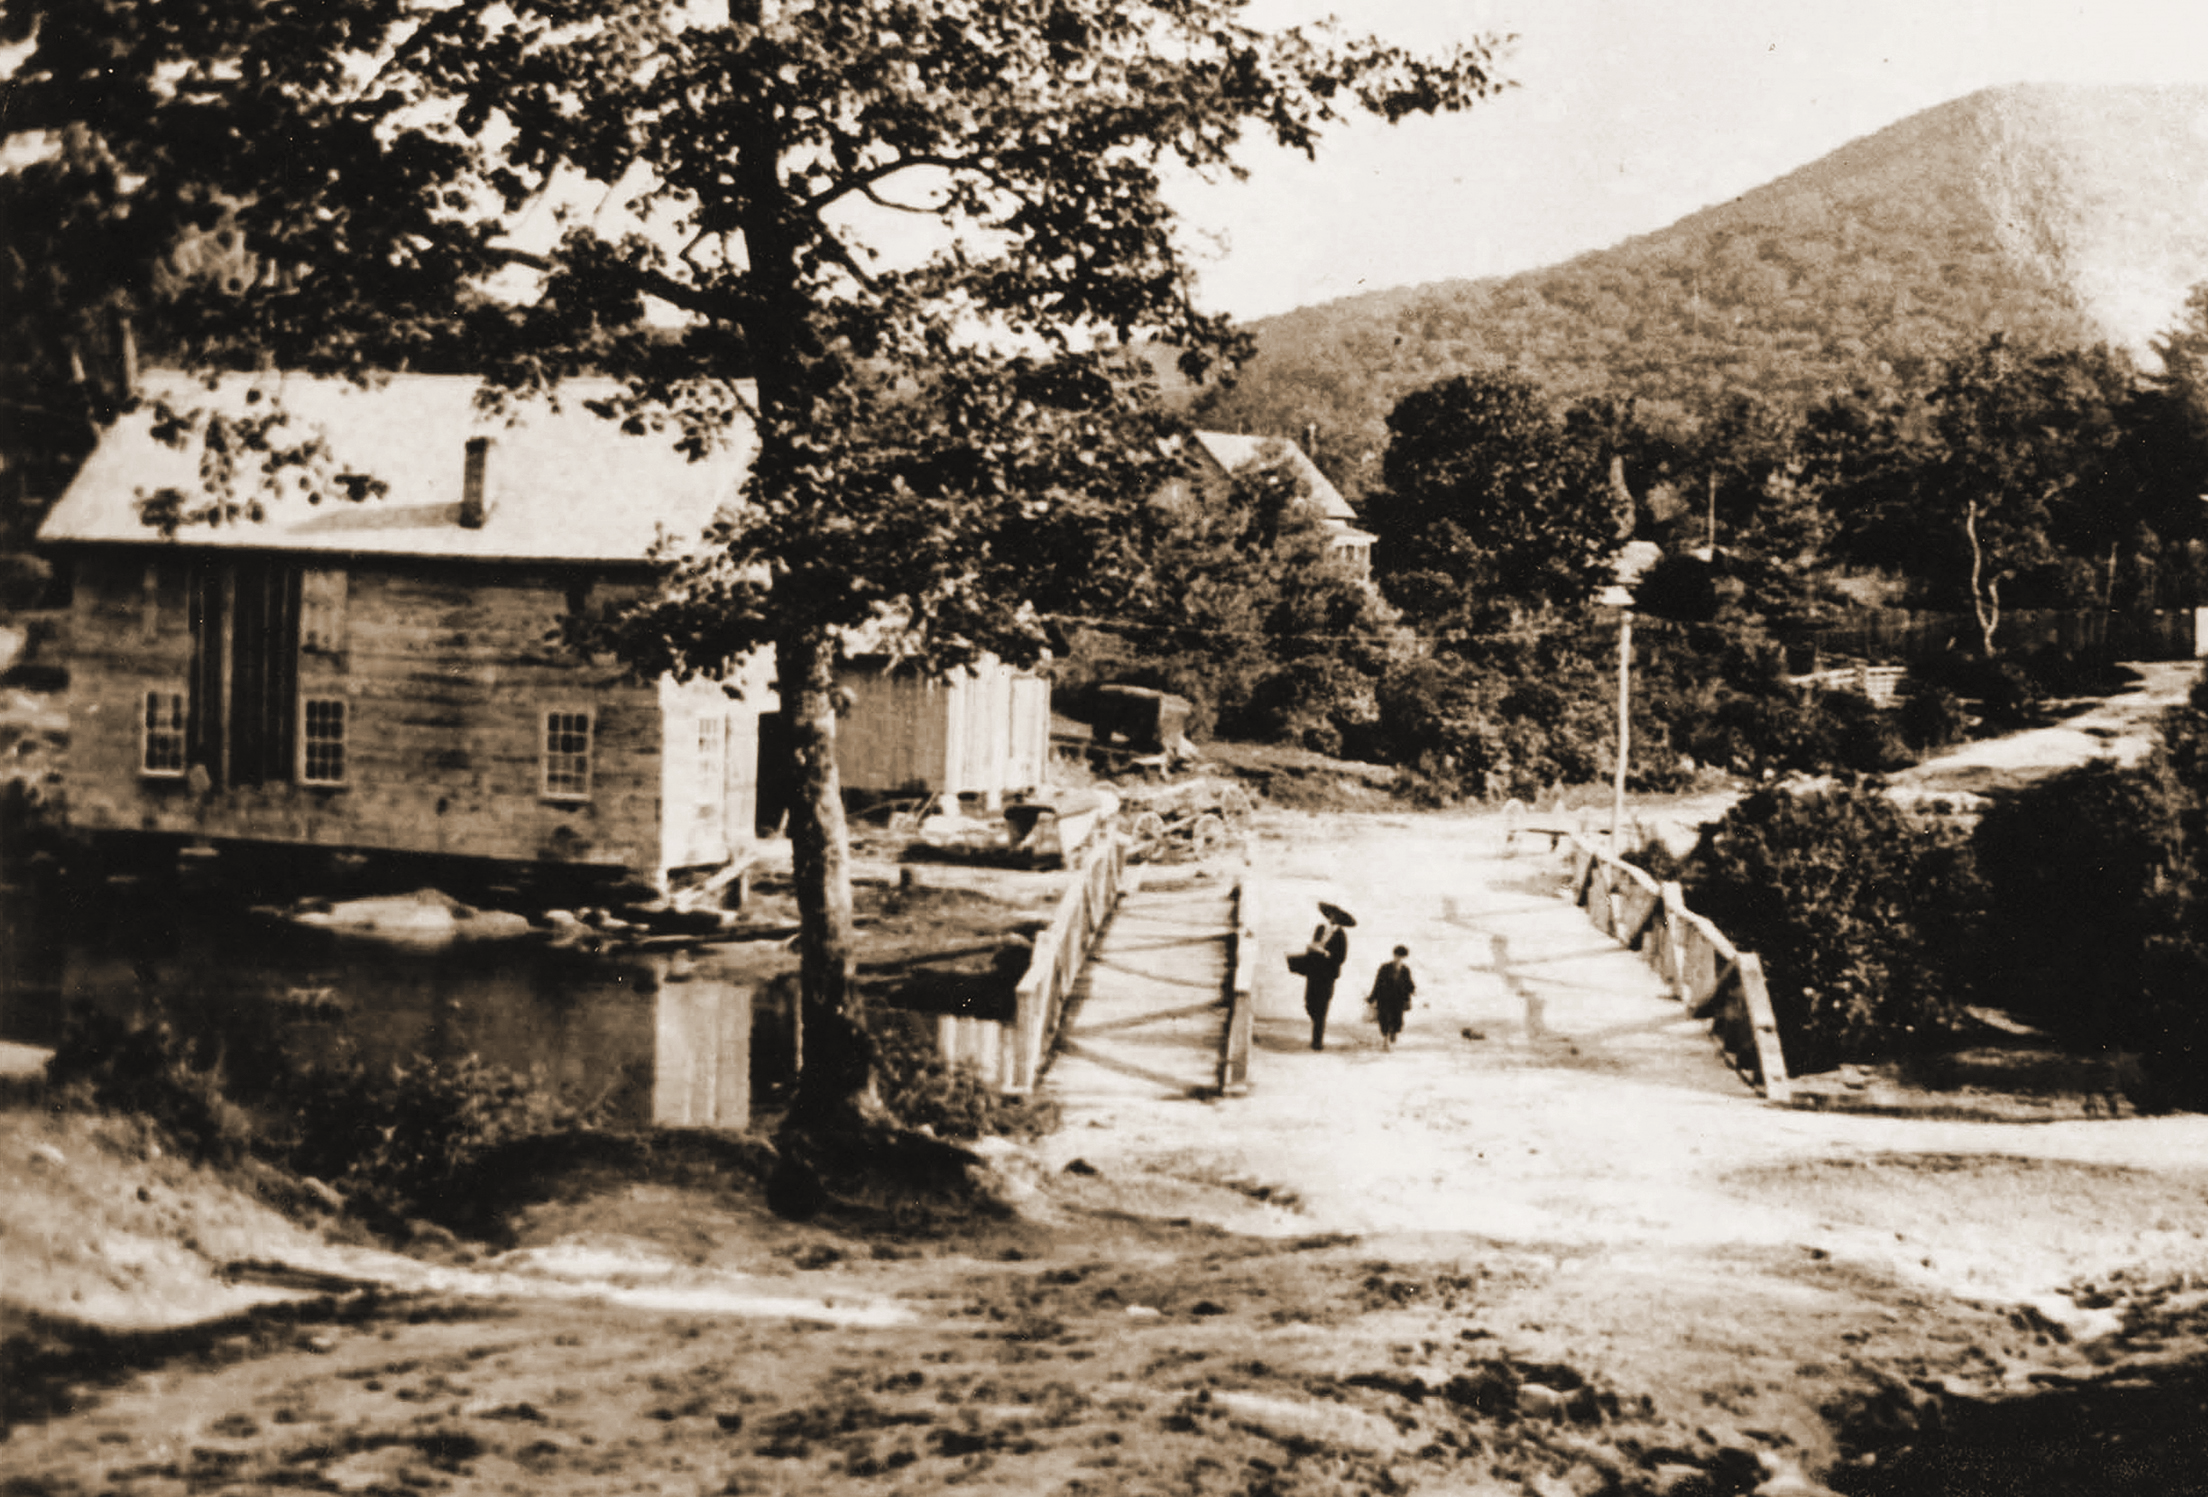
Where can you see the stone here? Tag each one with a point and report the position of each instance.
(1677, 1479)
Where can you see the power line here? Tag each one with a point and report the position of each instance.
(1658, 630)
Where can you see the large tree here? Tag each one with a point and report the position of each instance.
(946, 426)
(1486, 497)
(2018, 438)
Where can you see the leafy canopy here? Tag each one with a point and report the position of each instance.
(1485, 493)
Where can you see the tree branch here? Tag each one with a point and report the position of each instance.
(865, 181)
(879, 201)
(653, 283)
(835, 250)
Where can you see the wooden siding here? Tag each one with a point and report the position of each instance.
(446, 674)
(983, 731)
(895, 736)
(1027, 748)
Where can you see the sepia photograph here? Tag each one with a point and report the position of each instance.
(1062, 748)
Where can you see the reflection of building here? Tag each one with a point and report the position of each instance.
(1224, 453)
(387, 675)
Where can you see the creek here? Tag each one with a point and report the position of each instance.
(703, 1037)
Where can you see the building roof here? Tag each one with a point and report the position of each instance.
(1232, 451)
(560, 485)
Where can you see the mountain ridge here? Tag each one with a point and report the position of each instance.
(2056, 213)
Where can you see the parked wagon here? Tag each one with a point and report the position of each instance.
(1188, 821)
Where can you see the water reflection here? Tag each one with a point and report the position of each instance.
(700, 1038)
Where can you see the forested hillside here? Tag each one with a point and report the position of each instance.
(2058, 214)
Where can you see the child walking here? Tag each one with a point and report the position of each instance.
(1392, 987)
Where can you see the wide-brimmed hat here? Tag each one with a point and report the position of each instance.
(1336, 915)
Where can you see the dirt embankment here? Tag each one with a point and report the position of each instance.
(1152, 1323)
(666, 1339)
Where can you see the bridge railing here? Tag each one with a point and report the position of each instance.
(1234, 1049)
(1010, 1055)
(1705, 971)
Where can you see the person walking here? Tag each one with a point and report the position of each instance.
(1323, 960)
(1392, 987)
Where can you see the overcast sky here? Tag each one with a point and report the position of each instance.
(1629, 115)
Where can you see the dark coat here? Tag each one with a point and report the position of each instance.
(1318, 981)
(1392, 987)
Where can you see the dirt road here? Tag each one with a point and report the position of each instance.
(2120, 728)
(1549, 1106)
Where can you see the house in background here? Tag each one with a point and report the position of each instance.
(1220, 454)
(386, 676)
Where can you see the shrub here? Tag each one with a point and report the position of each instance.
(2006, 694)
(921, 1089)
(2184, 735)
(2056, 670)
(417, 1133)
(1863, 737)
(2100, 924)
(1856, 909)
(149, 1070)
(2084, 870)
(1656, 860)
(1317, 703)
(1930, 716)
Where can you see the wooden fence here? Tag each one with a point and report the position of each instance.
(1234, 1050)
(1010, 1056)
(1877, 683)
(1899, 634)
(1715, 980)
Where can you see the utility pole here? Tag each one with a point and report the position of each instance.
(1625, 701)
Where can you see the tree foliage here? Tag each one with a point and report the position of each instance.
(943, 422)
(1240, 608)
(2017, 436)
(1858, 909)
(1486, 495)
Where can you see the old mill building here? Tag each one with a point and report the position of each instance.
(388, 675)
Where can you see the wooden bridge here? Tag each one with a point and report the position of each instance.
(1154, 1013)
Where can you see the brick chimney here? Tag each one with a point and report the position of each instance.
(474, 505)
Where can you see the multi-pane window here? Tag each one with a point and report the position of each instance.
(161, 742)
(322, 741)
(567, 754)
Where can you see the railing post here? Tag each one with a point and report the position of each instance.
(1234, 1058)
(1034, 995)
(1770, 1059)
(1670, 948)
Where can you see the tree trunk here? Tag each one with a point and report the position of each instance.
(1985, 592)
(835, 1079)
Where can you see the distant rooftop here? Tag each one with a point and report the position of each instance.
(1232, 451)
